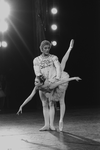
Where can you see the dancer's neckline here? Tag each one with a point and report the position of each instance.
(45, 57)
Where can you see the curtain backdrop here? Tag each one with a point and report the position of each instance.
(40, 11)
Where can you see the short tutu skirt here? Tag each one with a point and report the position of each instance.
(57, 93)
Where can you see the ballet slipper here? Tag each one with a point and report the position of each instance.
(52, 128)
(44, 128)
(60, 125)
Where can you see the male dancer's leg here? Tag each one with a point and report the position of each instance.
(45, 111)
(52, 114)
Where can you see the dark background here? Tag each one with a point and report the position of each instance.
(29, 23)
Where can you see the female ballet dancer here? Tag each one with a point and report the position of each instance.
(51, 91)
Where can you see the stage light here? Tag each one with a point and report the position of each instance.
(54, 11)
(54, 27)
(4, 44)
(3, 26)
(54, 43)
(4, 9)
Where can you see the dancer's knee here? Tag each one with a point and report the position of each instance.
(51, 104)
(62, 101)
(44, 104)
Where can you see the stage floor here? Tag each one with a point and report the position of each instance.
(81, 131)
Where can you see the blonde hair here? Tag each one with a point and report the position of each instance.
(43, 43)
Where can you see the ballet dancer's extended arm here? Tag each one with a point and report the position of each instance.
(74, 78)
(66, 56)
(38, 86)
(54, 85)
(27, 100)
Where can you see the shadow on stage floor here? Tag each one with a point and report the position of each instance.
(75, 142)
(69, 141)
(81, 131)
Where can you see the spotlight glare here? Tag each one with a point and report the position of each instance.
(54, 27)
(4, 44)
(4, 9)
(3, 26)
(54, 11)
(54, 43)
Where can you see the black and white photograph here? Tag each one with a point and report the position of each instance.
(49, 75)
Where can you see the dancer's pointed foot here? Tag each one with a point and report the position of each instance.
(52, 128)
(44, 128)
(60, 125)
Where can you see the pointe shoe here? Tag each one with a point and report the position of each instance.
(44, 128)
(60, 125)
(52, 128)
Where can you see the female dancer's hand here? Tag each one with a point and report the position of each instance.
(77, 78)
(20, 110)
